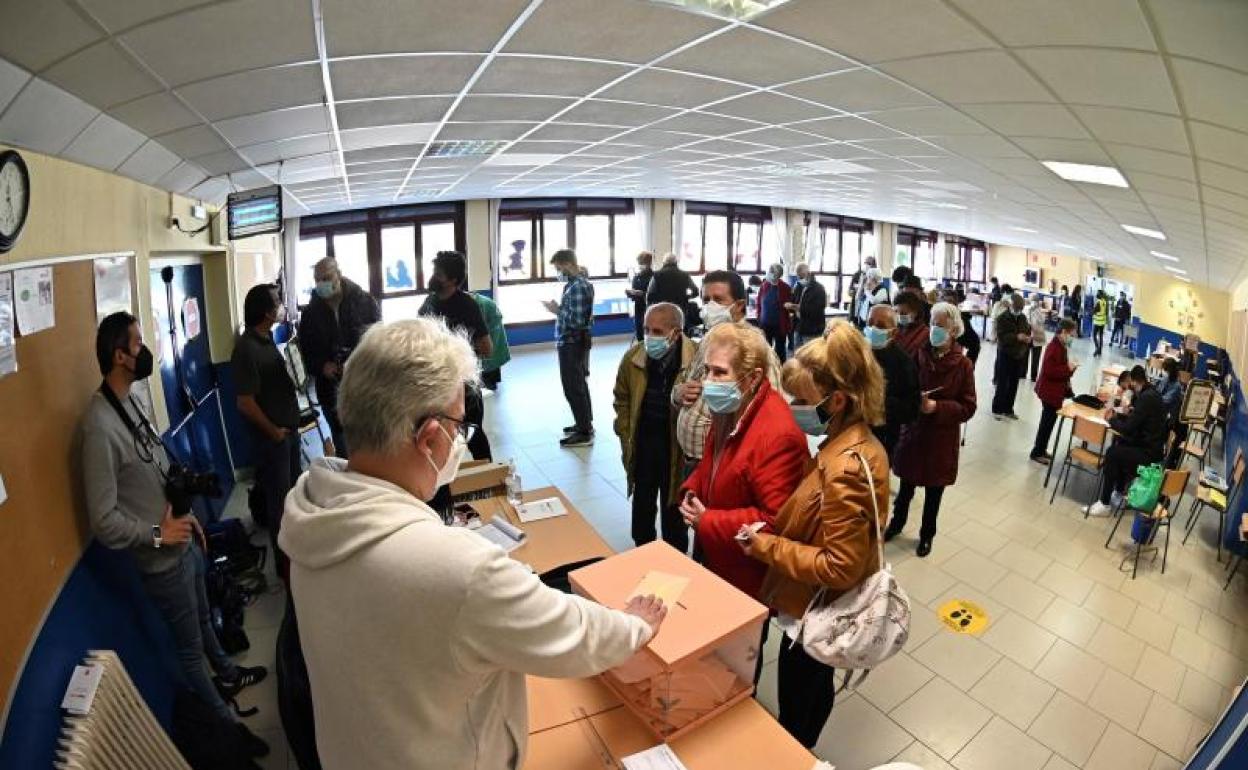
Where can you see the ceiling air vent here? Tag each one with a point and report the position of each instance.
(473, 148)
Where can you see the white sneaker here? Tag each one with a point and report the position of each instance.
(1115, 499)
(1096, 509)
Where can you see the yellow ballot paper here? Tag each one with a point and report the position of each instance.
(664, 585)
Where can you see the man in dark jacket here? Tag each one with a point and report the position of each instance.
(637, 292)
(329, 331)
(1141, 440)
(1013, 344)
(1122, 315)
(810, 300)
(901, 376)
(671, 284)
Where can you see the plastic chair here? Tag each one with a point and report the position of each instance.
(1208, 497)
(1082, 458)
(309, 415)
(1173, 486)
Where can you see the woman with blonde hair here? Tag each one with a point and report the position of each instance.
(826, 535)
(754, 457)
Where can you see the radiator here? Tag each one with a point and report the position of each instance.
(119, 732)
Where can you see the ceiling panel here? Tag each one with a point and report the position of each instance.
(355, 27)
(770, 108)
(970, 78)
(1108, 23)
(1213, 94)
(1147, 129)
(37, 34)
(879, 30)
(196, 140)
(599, 28)
(859, 90)
(120, 15)
(149, 163)
(1068, 150)
(1108, 78)
(929, 121)
(261, 33)
(156, 114)
(256, 91)
(525, 75)
(1131, 158)
(707, 124)
(461, 131)
(846, 129)
(614, 113)
(401, 76)
(105, 143)
(1220, 144)
(267, 126)
(388, 136)
(675, 89)
(12, 79)
(392, 111)
(102, 75)
(285, 149)
(1047, 120)
(183, 177)
(44, 118)
(750, 56)
(535, 108)
(573, 132)
(1213, 30)
(224, 162)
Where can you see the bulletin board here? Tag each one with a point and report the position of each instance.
(43, 525)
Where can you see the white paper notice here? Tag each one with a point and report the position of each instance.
(4, 493)
(541, 509)
(112, 286)
(660, 757)
(34, 299)
(8, 350)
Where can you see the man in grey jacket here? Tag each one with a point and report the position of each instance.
(124, 466)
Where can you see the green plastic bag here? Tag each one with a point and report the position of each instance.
(1143, 492)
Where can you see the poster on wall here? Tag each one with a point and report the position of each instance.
(190, 318)
(8, 350)
(112, 287)
(1197, 402)
(35, 299)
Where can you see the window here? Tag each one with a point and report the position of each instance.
(719, 236)
(970, 259)
(398, 258)
(920, 247)
(846, 241)
(307, 254)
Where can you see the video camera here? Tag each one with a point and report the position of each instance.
(183, 485)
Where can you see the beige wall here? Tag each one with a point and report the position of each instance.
(477, 233)
(1168, 303)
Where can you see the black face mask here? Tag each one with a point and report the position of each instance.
(436, 284)
(143, 363)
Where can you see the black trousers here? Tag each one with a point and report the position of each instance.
(491, 378)
(574, 375)
(474, 412)
(327, 397)
(652, 479)
(1048, 418)
(806, 691)
(1006, 374)
(278, 465)
(1036, 350)
(1098, 338)
(1117, 336)
(931, 508)
(777, 340)
(1174, 458)
(639, 321)
(1121, 463)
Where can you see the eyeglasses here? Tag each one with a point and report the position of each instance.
(465, 428)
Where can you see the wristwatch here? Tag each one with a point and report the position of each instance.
(156, 538)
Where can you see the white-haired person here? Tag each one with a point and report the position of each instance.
(810, 301)
(873, 293)
(418, 635)
(773, 319)
(927, 452)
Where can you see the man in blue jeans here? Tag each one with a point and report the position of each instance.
(574, 327)
(124, 468)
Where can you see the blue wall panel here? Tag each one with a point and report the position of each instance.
(1150, 335)
(528, 334)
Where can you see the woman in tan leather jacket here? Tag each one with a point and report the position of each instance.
(824, 534)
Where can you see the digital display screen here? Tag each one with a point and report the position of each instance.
(255, 212)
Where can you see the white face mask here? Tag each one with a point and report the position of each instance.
(714, 314)
(447, 473)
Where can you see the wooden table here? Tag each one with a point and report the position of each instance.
(1069, 411)
(552, 542)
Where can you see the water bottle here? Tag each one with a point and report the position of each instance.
(514, 489)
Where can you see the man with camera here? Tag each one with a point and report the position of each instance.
(125, 475)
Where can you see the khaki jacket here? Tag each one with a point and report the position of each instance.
(824, 533)
(630, 389)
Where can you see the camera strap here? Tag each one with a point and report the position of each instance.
(135, 430)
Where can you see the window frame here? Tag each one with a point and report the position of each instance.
(735, 214)
(966, 259)
(536, 210)
(911, 236)
(839, 224)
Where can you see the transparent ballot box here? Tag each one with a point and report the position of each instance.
(702, 660)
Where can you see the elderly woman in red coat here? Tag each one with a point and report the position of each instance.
(927, 452)
(773, 318)
(1053, 387)
(755, 455)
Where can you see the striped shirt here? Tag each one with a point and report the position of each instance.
(576, 310)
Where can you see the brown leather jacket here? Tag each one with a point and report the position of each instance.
(825, 536)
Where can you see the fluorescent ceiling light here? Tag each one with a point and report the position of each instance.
(1024, 229)
(1185, 280)
(521, 159)
(1144, 231)
(728, 9)
(1166, 257)
(1176, 270)
(1082, 172)
(1066, 246)
(957, 206)
(836, 167)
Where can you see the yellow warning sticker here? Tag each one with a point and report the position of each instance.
(963, 617)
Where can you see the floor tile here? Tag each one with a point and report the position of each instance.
(1066, 583)
(1146, 592)
(960, 658)
(918, 754)
(975, 569)
(1202, 696)
(1013, 692)
(999, 745)
(1225, 668)
(1191, 648)
(1071, 670)
(942, 717)
(1069, 728)
(1024, 533)
(1216, 629)
(1117, 648)
(1164, 761)
(1121, 698)
(1120, 750)
(922, 580)
(1019, 639)
(1071, 622)
(842, 741)
(977, 537)
(279, 750)
(1152, 627)
(1160, 672)
(1182, 610)
(1167, 726)
(923, 626)
(1102, 565)
(1057, 763)
(1110, 605)
(893, 681)
(1022, 595)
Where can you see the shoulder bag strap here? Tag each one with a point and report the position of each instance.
(875, 506)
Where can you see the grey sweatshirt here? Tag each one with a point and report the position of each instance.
(125, 494)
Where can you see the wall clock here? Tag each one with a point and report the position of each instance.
(14, 198)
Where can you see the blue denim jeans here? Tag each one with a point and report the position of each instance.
(182, 600)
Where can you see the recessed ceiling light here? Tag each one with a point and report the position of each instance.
(1144, 231)
(1024, 229)
(957, 206)
(1176, 270)
(1166, 257)
(1082, 172)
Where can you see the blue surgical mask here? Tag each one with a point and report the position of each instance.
(325, 289)
(657, 347)
(722, 397)
(876, 336)
(905, 319)
(563, 277)
(938, 336)
(809, 419)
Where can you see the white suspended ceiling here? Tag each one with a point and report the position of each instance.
(935, 113)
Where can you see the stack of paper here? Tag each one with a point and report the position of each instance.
(502, 533)
(660, 757)
(541, 509)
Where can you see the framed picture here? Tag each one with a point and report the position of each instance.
(1197, 402)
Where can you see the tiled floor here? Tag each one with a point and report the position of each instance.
(1080, 665)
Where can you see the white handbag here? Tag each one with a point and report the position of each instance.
(864, 626)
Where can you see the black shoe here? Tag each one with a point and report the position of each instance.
(246, 677)
(925, 547)
(569, 429)
(576, 439)
(891, 532)
(253, 744)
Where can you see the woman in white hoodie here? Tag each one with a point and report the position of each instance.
(418, 635)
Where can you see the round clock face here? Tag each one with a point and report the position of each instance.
(14, 197)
